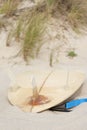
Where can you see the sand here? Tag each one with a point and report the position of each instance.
(11, 117)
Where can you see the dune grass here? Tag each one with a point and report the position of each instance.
(33, 34)
(8, 7)
(2, 24)
(51, 59)
(9, 38)
(77, 12)
(18, 29)
(29, 30)
(30, 26)
(50, 3)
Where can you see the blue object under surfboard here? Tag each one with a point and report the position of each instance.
(75, 103)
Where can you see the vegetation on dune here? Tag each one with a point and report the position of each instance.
(72, 54)
(73, 10)
(33, 34)
(77, 12)
(9, 7)
(2, 24)
(30, 25)
(18, 30)
(29, 31)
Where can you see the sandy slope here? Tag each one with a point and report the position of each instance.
(59, 39)
(11, 118)
(8, 54)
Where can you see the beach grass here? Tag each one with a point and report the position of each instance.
(33, 34)
(8, 7)
(73, 10)
(18, 29)
(30, 26)
(2, 24)
(77, 12)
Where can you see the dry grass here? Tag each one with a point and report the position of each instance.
(51, 59)
(2, 24)
(77, 12)
(9, 38)
(31, 25)
(29, 30)
(33, 34)
(18, 30)
(9, 7)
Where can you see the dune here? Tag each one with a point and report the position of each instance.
(58, 37)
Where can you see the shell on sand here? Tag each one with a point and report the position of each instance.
(56, 88)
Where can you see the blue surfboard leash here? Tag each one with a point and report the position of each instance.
(75, 103)
(67, 107)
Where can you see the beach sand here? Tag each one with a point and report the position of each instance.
(11, 117)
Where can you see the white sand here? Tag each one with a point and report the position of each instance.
(12, 118)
